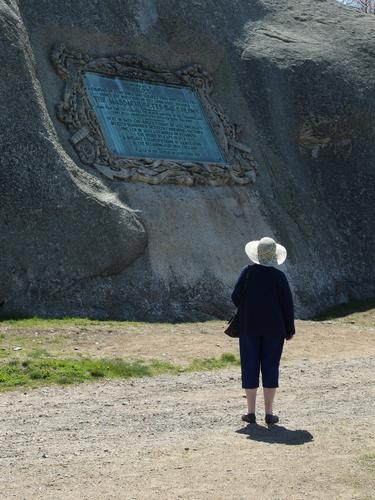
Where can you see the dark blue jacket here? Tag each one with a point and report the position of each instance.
(267, 307)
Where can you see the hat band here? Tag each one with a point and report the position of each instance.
(267, 253)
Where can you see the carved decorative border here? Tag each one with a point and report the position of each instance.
(76, 113)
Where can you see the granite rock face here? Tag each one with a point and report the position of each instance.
(296, 75)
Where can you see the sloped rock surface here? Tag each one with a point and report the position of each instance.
(59, 225)
(296, 75)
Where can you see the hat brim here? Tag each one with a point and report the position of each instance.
(251, 250)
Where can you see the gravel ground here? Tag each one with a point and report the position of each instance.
(181, 436)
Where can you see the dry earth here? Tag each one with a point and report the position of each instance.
(172, 437)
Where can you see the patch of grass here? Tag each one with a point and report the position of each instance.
(160, 367)
(37, 371)
(32, 372)
(69, 321)
(36, 322)
(56, 340)
(28, 340)
(39, 353)
(225, 359)
(12, 376)
(2, 336)
(368, 461)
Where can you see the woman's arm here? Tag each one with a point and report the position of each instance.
(287, 306)
(238, 289)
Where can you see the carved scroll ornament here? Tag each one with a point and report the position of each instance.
(76, 112)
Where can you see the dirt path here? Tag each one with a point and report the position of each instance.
(173, 437)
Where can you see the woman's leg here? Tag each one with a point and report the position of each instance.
(250, 368)
(272, 348)
(269, 396)
(251, 397)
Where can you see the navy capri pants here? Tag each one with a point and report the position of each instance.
(260, 354)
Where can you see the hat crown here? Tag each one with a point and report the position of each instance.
(267, 251)
(266, 246)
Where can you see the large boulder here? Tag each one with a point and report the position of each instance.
(296, 76)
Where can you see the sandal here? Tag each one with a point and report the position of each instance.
(271, 419)
(249, 418)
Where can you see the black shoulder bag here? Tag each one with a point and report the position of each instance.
(232, 330)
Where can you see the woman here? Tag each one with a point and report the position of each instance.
(266, 319)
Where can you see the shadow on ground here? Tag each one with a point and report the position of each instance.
(343, 310)
(276, 434)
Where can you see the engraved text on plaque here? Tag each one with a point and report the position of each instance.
(140, 119)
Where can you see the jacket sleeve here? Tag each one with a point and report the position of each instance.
(238, 289)
(287, 306)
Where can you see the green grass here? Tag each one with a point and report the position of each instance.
(36, 322)
(368, 461)
(68, 321)
(31, 345)
(39, 353)
(39, 371)
(226, 359)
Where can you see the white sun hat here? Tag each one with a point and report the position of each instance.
(266, 252)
